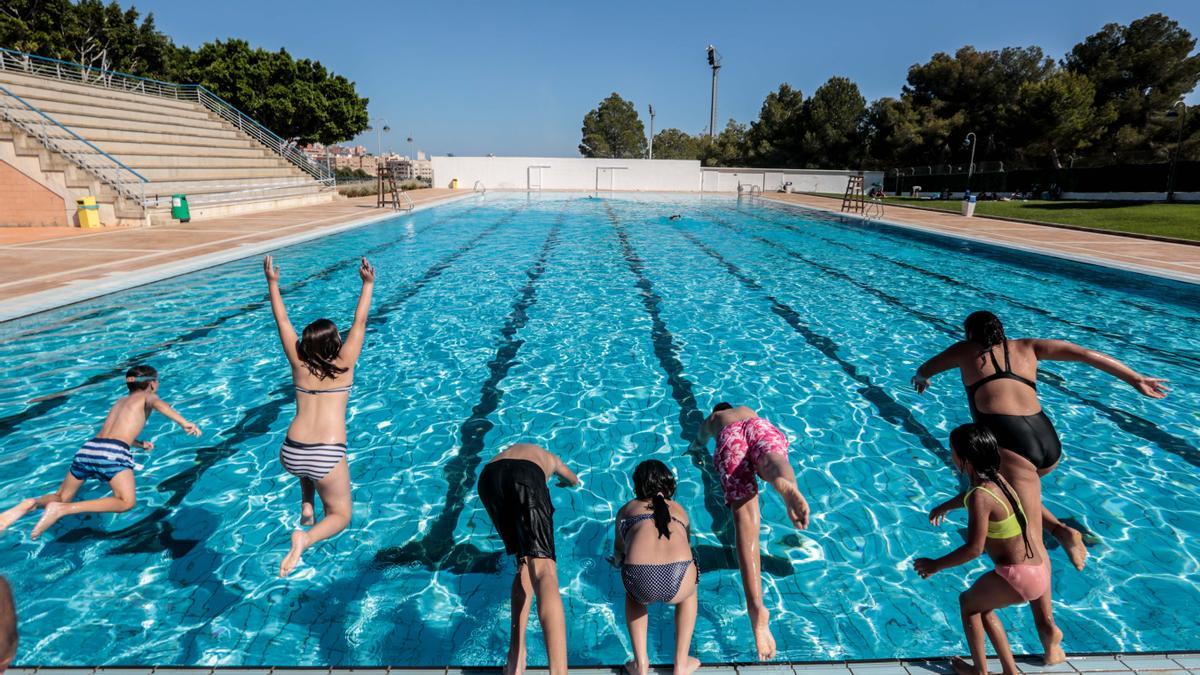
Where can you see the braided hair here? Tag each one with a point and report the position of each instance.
(984, 329)
(976, 445)
(654, 481)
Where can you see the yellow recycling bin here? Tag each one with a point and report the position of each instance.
(454, 184)
(88, 211)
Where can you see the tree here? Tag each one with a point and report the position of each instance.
(1141, 70)
(774, 139)
(729, 148)
(1060, 116)
(832, 118)
(613, 129)
(676, 144)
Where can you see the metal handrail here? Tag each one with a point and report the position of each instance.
(479, 187)
(411, 204)
(32, 64)
(108, 169)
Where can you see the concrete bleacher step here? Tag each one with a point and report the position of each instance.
(89, 120)
(92, 91)
(102, 136)
(173, 160)
(53, 100)
(217, 173)
(197, 119)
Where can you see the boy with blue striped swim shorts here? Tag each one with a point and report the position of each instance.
(106, 457)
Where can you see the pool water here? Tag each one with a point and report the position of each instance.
(602, 330)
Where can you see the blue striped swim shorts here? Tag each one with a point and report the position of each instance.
(102, 459)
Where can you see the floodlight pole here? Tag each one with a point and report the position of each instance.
(651, 156)
(971, 138)
(714, 60)
(1178, 145)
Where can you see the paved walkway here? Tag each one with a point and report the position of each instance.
(1128, 664)
(42, 267)
(1179, 261)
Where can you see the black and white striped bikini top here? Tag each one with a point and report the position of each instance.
(335, 390)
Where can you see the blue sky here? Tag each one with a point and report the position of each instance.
(515, 78)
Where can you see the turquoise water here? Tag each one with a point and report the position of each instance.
(600, 329)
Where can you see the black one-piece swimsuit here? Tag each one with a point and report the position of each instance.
(1030, 436)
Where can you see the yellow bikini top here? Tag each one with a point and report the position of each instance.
(999, 529)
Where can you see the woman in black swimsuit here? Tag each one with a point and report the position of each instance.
(1002, 395)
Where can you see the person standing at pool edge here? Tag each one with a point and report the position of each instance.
(999, 525)
(314, 449)
(512, 487)
(1003, 397)
(106, 457)
(749, 447)
(656, 567)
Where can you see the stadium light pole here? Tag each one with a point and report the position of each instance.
(651, 132)
(714, 60)
(1175, 112)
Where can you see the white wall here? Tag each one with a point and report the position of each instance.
(580, 173)
(568, 173)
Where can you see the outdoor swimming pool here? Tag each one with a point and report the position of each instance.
(601, 329)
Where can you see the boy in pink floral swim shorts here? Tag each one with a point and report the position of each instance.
(749, 447)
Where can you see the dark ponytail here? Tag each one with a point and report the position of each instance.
(976, 445)
(984, 329)
(318, 348)
(654, 481)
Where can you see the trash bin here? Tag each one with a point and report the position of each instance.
(88, 211)
(968, 206)
(179, 208)
(454, 184)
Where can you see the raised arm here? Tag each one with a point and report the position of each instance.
(946, 360)
(1061, 350)
(167, 411)
(352, 347)
(287, 334)
(971, 549)
(703, 434)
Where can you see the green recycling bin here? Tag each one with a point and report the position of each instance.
(179, 208)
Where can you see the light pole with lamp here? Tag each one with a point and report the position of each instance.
(970, 140)
(714, 60)
(380, 127)
(651, 132)
(1173, 112)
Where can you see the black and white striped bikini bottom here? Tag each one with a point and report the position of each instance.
(310, 460)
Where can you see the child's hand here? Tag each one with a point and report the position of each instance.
(190, 429)
(925, 567)
(270, 270)
(938, 514)
(147, 445)
(366, 272)
(920, 383)
(1154, 387)
(564, 483)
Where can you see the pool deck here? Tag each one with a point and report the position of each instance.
(1159, 258)
(46, 267)
(1105, 664)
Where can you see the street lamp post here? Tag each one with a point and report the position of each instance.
(651, 132)
(1178, 145)
(971, 138)
(381, 126)
(714, 60)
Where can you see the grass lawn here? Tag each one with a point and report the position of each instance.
(1181, 221)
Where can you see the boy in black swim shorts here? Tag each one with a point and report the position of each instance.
(512, 487)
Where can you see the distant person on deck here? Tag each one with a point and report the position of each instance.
(314, 449)
(1001, 380)
(107, 457)
(1000, 525)
(512, 487)
(749, 448)
(657, 565)
(8, 626)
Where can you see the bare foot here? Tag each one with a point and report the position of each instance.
(1072, 543)
(299, 543)
(515, 664)
(690, 666)
(632, 668)
(308, 516)
(10, 516)
(962, 667)
(1054, 651)
(52, 512)
(763, 640)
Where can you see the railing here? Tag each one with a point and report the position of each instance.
(873, 209)
(108, 169)
(31, 64)
(480, 187)
(409, 203)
